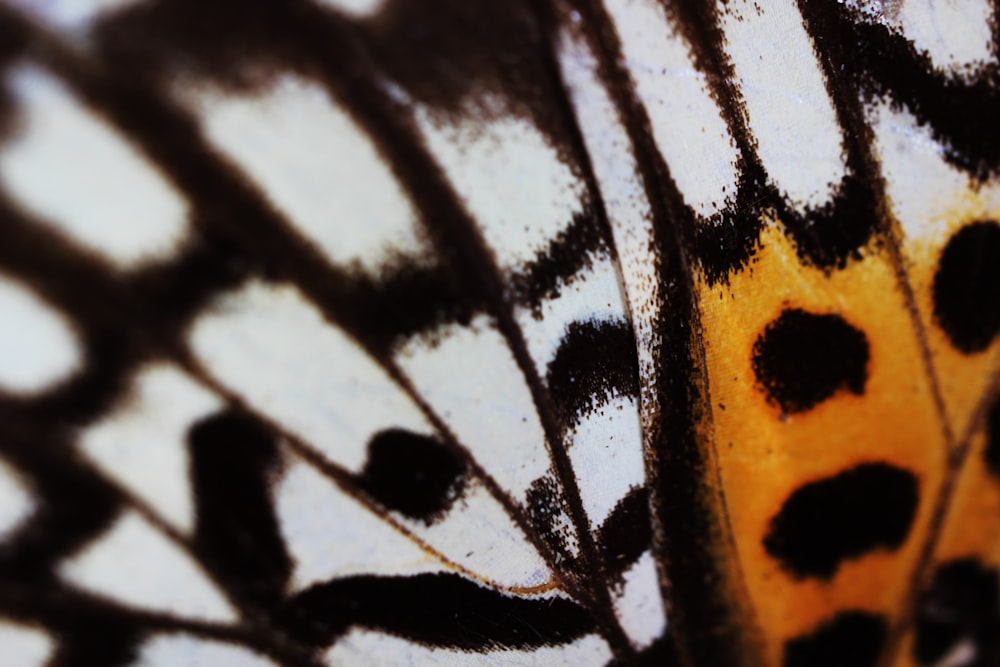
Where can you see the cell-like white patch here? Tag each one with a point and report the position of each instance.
(920, 184)
(511, 180)
(316, 165)
(640, 606)
(687, 125)
(330, 535)
(24, 646)
(607, 456)
(355, 8)
(179, 650)
(954, 33)
(274, 349)
(470, 378)
(364, 647)
(16, 502)
(592, 294)
(39, 346)
(478, 535)
(137, 566)
(71, 14)
(72, 170)
(143, 444)
(790, 113)
(621, 189)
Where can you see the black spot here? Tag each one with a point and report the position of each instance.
(960, 605)
(803, 358)
(233, 457)
(433, 609)
(825, 522)
(413, 474)
(595, 361)
(967, 287)
(627, 532)
(992, 452)
(849, 639)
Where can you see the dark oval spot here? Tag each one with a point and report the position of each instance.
(413, 474)
(845, 516)
(851, 638)
(960, 605)
(992, 452)
(967, 287)
(803, 358)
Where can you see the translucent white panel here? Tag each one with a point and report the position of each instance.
(640, 606)
(790, 113)
(470, 378)
(316, 165)
(273, 348)
(24, 646)
(920, 184)
(38, 343)
(137, 566)
(954, 33)
(357, 8)
(70, 168)
(687, 124)
(177, 650)
(606, 452)
(592, 294)
(143, 444)
(511, 180)
(16, 502)
(362, 647)
(70, 14)
(329, 534)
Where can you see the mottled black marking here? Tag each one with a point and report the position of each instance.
(802, 359)
(413, 474)
(548, 514)
(961, 604)
(823, 523)
(849, 639)
(627, 532)
(434, 609)
(595, 362)
(233, 458)
(967, 287)
(991, 454)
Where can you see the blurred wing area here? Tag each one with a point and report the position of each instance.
(574, 332)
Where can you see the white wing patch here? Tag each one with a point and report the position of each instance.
(364, 647)
(468, 375)
(39, 346)
(179, 650)
(606, 452)
(640, 606)
(687, 125)
(143, 444)
(511, 180)
(24, 646)
(79, 175)
(135, 564)
(16, 501)
(329, 534)
(316, 165)
(273, 348)
(790, 112)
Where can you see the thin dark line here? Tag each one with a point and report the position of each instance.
(682, 395)
(455, 235)
(859, 139)
(309, 272)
